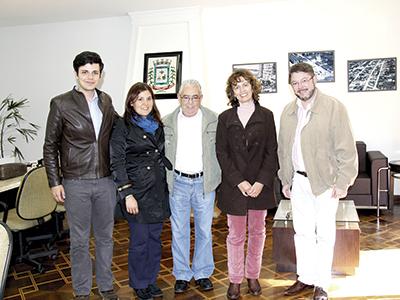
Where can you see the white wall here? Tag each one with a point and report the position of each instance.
(167, 31)
(36, 63)
(36, 60)
(266, 32)
(354, 29)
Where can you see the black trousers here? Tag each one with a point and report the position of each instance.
(144, 254)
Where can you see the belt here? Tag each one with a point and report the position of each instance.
(302, 173)
(195, 175)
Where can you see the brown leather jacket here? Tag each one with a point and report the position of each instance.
(71, 141)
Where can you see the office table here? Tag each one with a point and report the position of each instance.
(11, 183)
(347, 246)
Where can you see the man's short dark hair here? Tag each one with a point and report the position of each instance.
(87, 57)
(301, 67)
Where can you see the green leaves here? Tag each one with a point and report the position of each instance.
(13, 124)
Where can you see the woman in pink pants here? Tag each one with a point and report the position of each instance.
(247, 153)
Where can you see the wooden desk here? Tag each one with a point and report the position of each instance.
(10, 183)
(8, 190)
(347, 246)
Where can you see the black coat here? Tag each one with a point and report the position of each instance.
(138, 168)
(250, 154)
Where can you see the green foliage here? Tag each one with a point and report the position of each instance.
(13, 124)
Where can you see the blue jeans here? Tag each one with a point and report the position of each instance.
(186, 194)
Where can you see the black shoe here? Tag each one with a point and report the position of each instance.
(297, 288)
(143, 294)
(320, 294)
(254, 287)
(205, 284)
(155, 291)
(108, 295)
(81, 297)
(233, 292)
(181, 286)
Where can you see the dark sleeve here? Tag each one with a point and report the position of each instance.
(52, 143)
(229, 170)
(118, 146)
(164, 159)
(269, 167)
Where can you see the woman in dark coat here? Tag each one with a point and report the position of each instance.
(247, 153)
(138, 164)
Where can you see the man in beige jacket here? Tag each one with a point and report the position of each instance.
(318, 163)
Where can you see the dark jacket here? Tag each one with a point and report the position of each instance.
(138, 169)
(250, 154)
(71, 140)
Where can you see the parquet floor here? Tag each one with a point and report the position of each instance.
(376, 235)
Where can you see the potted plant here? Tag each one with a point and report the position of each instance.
(13, 125)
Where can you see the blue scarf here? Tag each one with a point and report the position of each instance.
(148, 123)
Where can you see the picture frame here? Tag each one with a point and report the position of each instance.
(265, 72)
(323, 63)
(163, 72)
(375, 74)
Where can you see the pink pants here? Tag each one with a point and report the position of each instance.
(237, 268)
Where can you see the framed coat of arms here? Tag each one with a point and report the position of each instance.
(162, 72)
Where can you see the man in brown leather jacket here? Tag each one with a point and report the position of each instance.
(76, 156)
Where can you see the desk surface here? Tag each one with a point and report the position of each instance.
(346, 211)
(10, 184)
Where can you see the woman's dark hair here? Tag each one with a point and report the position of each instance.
(87, 57)
(301, 67)
(132, 96)
(233, 81)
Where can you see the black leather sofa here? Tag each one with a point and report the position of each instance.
(364, 191)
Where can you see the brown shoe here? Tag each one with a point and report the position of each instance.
(233, 292)
(254, 287)
(296, 288)
(320, 294)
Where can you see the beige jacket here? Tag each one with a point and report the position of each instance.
(327, 144)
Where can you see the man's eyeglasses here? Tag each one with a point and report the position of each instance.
(187, 98)
(302, 82)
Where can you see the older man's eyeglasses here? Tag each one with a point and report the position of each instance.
(187, 98)
(302, 82)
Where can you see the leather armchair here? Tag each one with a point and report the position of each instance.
(364, 191)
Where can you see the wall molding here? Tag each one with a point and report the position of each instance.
(189, 17)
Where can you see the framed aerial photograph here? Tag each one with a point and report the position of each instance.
(323, 63)
(377, 74)
(163, 72)
(265, 72)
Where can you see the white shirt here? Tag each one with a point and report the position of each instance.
(303, 117)
(189, 149)
(95, 113)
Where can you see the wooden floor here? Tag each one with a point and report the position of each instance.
(56, 282)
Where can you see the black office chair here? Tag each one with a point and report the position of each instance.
(3, 212)
(59, 216)
(34, 207)
(6, 242)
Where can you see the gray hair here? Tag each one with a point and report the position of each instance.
(191, 82)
